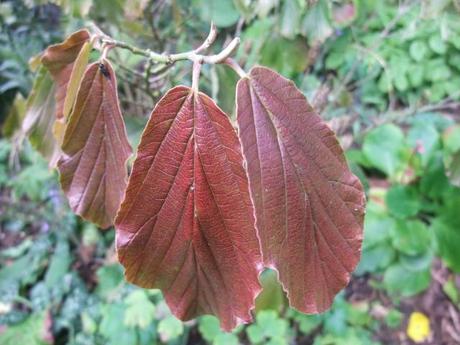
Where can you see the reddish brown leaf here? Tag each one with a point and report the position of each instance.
(309, 206)
(59, 60)
(186, 224)
(95, 146)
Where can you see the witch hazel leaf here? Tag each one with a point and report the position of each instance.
(186, 224)
(309, 206)
(75, 78)
(39, 117)
(59, 60)
(78, 70)
(95, 147)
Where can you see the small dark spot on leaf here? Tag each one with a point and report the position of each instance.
(104, 70)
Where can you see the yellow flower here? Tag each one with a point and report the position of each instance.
(418, 328)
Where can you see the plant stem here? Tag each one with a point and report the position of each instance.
(196, 76)
(193, 55)
(236, 67)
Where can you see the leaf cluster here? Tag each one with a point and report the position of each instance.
(411, 219)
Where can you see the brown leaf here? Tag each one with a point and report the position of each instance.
(309, 206)
(59, 60)
(95, 146)
(186, 224)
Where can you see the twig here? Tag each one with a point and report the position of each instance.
(209, 40)
(193, 55)
(196, 75)
(236, 67)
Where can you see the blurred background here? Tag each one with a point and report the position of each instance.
(385, 74)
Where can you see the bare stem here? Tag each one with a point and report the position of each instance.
(209, 40)
(235, 66)
(196, 76)
(105, 51)
(193, 55)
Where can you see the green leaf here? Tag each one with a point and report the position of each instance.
(222, 13)
(453, 168)
(109, 278)
(448, 239)
(411, 237)
(40, 117)
(286, 56)
(436, 93)
(377, 257)
(271, 324)
(112, 326)
(416, 75)
(335, 321)
(399, 280)
(385, 148)
(226, 339)
(227, 83)
(32, 181)
(451, 143)
(272, 296)
(451, 290)
(263, 8)
(316, 24)
(32, 331)
(451, 139)
(268, 327)
(394, 318)
(358, 314)
(437, 70)
(15, 116)
(139, 310)
(454, 59)
(170, 328)
(290, 18)
(15, 252)
(403, 201)
(400, 81)
(59, 265)
(26, 269)
(418, 50)
(209, 327)
(76, 76)
(90, 235)
(385, 83)
(437, 44)
(418, 262)
(308, 323)
(377, 225)
(334, 60)
(255, 36)
(255, 334)
(433, 182)
(88, 324)
(425, 139)
(452, 87)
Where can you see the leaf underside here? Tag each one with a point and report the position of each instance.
(39, 117)
(309, 206)
(59, 60)
(95, 148)
(186, 224)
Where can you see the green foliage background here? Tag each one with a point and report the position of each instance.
(386, 75)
